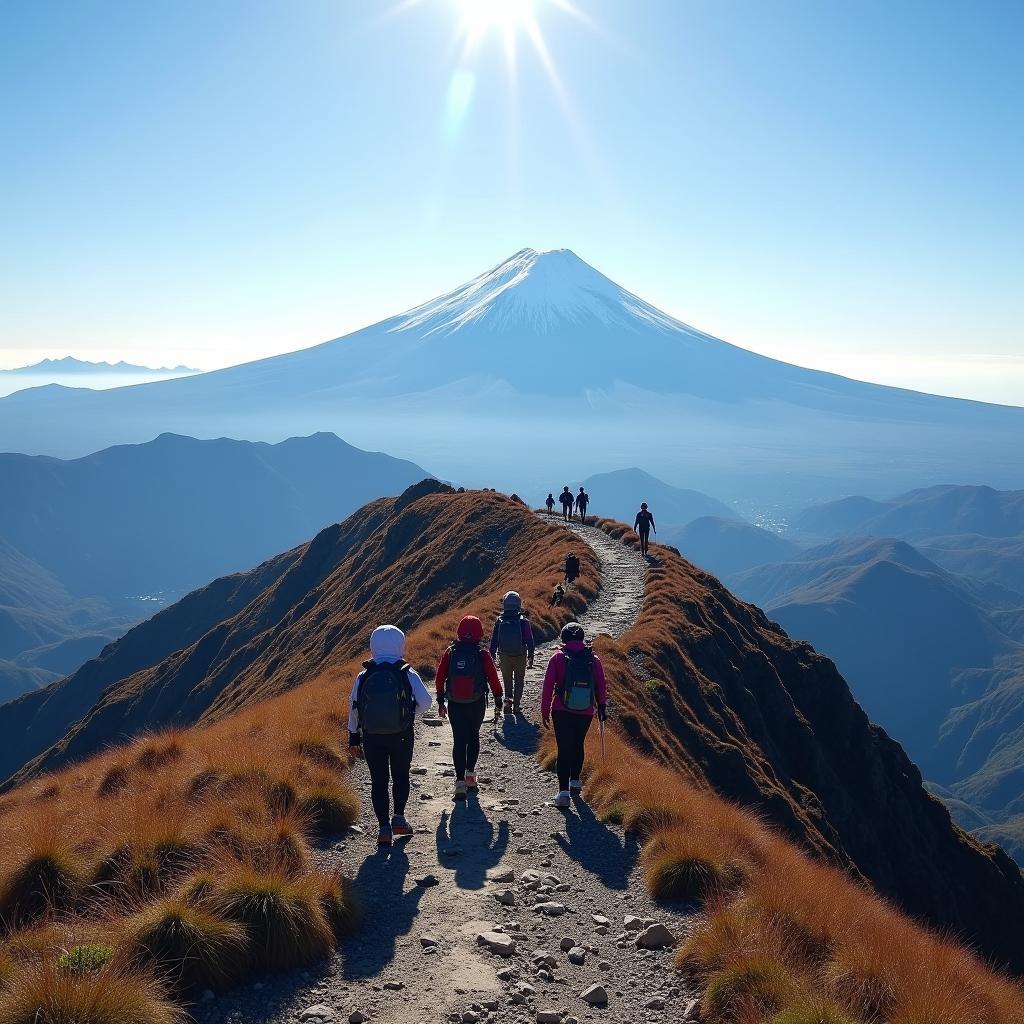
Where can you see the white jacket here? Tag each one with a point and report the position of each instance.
(387, 643)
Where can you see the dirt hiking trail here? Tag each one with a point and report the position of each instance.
(556, 893)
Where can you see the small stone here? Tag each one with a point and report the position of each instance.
(470, 1017)
(427, 941)
(601, 929)
(631, 923)
(426, 796)
(394, 986)
(506, 897)
(505, 875)
(433, 743)
(526, 990)
(418, 771)
(491, 1004)
(524, 851)
(551, 908)
(600, 920)
(655, 936)
(690, 1013)
(356, 830)
(595, 995)
(566, 944)
(507, 973)
(357, 1017)
(549, 1017)
(657, 1003)
(604, 965)
(426, 881)
(497, 942)
(577, 955)
(570, 1020)
(516, 999)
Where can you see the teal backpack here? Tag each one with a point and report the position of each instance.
(577, 693)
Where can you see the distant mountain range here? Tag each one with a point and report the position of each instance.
(69, 364)
(540, 356)
(93, 544)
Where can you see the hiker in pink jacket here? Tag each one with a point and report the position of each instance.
(574, 688)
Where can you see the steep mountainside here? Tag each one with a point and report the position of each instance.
(247, 637)
(704, 682)
(928, 512)
(170, 514)
(728, 546)
(618, 494)
(992, 559)
(583, 362)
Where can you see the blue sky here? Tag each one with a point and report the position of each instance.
(839, 185)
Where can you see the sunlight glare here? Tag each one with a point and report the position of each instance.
(481, 17)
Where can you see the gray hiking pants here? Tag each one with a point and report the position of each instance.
(513, 675)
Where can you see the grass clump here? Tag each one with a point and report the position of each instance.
(680, 866)
(192, 947)
(812, 1013)
(336, 901)
(46, 994)
(284, 918)
(49, 879)
(86, 958)
(320, 751)
(749, 986)
(328, 805)
(115, 780)
(614, 813)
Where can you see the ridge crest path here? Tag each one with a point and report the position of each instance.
(416, 958)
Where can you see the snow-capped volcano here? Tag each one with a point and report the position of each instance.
(540, 292)
(540, 356)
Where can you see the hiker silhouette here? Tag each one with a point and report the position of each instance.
(597, 847)
(473, 833)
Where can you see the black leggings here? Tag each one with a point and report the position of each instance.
(466, 720)
(645, 541)
(570, 737)
(567, 513)
(388, 755)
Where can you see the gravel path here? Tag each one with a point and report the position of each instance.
(418, 958)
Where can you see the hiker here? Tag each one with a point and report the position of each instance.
(385, 698)
(572, 568)
(512, 643)
(567, 500)
(550, 503)
(557, 595)
(464, 674)
(642, 524)
(582, 501)
(574, 687)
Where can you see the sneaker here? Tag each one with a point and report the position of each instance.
(471, 780)
(508, 707)
(575, 785)
(460, 789)
(562, 800)
(400, 827)
(385, 837)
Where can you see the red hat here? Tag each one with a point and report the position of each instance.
(471, 628)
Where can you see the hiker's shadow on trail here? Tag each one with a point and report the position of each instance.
(598, 848)
(388, 912)
(469, 829)
(519, 735)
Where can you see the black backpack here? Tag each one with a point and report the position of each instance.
(385, 702)
(510, 635)
(467, 681)
(577, 692)
(572, 565)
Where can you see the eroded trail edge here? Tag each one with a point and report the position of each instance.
(559, 890)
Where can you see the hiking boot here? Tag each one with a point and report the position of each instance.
(562, 800)
(471, 780)
(575, 785)
(460, 789)
(508, 707)
(400, 827)
(385, 838)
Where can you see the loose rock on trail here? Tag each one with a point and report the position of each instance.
(459, 922)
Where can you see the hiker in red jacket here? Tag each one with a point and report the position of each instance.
(574, 688)
(464, 674)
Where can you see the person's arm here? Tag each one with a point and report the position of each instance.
(420, 693)
(551, 678)
(600, 688)
(491, 672)
(442, 675)
(636, 523)
(653, 527)
(355, 736)
(528, 640)
(494, 636)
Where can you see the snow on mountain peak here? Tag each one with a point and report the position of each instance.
(539, 292)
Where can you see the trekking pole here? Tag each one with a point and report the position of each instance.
(600, 724)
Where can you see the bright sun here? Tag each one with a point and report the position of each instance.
(479, 17)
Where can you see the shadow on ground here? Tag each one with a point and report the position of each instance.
(469, 830)
(598, 847)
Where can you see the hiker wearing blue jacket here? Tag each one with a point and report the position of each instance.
(386, 698)
(512, 646)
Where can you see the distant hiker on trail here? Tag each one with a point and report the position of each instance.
(582, 501)
(567, 501)
(550, 503)
(574, 687)
(572, 568)
(385, 698)
(558, 595)
(642, 524)
(512, 643)
(464, 674)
